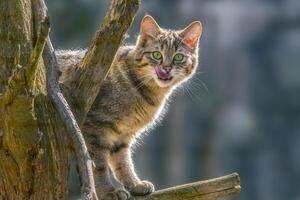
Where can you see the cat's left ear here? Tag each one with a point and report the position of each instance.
(149, 27)
(191, 34)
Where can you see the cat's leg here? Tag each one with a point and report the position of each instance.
(122, 167)
(104, 188)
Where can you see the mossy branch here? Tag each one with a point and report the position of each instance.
(203, 190)
(100, 55)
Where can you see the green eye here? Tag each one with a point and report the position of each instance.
(178, 57)
(156, 55)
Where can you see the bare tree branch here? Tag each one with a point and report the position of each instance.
(84, 162)
(202, 190)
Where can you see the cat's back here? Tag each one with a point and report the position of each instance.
(68, 61)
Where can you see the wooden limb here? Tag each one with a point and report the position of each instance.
(202, 190)
(84, 162)
(101, 52)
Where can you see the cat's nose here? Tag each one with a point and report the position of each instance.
(167, 68)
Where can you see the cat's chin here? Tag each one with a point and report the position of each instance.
(163, 83)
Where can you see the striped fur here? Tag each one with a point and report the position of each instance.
(130, 99)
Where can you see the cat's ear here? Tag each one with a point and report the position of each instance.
(149, 27)
(191, 34)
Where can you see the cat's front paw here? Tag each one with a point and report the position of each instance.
(142, 188)
(118, 194)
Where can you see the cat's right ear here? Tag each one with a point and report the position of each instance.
(149, 27)
(191, 34)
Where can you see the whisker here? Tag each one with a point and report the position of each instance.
(192, 87)
(201, 83)
(195, 88)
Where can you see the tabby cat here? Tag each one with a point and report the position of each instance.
(131, 98)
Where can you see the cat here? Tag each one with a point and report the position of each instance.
(130, 99)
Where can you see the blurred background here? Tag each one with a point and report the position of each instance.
(241, 111)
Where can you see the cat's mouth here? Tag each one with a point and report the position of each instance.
(166, 79)
(162, 74)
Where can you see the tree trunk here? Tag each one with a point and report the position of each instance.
(33, 145)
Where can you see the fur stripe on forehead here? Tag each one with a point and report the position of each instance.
(170, 39)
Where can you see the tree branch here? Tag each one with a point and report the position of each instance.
(202, 190)
(101, 52)
(84, 162)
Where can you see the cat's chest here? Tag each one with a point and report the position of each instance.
(129, 109)
(139, 115)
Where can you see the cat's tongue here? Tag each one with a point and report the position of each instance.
(161, 73)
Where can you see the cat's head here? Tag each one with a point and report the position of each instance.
(166, 56)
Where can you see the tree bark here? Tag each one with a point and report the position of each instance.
(35, 151)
